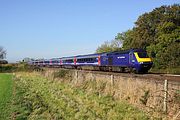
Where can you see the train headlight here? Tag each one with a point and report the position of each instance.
(140, 62)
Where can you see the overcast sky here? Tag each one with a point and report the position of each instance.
(57, 28)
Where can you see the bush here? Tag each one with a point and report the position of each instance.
(17, 67)
(61, 74)
(7, 68)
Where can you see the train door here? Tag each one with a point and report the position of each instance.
(131, 59)
(110, 60)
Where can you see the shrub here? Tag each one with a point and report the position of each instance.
(7, 68)
(61, 74)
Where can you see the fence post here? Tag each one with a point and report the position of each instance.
(76, 76)
(92, 77)
(112, 80)
(165, 96)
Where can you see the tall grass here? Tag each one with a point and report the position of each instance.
(41, 98)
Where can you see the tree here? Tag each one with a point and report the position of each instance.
(113, 45)
(127, 38)
(2, 53)
(159, 33)
(27, 59)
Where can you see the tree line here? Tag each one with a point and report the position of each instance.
(157, 31)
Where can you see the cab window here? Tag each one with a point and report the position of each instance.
(142, 55)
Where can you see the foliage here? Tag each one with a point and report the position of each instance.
(2, 53)
(24, 67)
(174, 70)
(27, 59)
(16, 67)
(128, 41)
(61, 74)
(113, 45)
(158, 32)
(3, 62)
(7, 68)
(6, 85)
(40, 98)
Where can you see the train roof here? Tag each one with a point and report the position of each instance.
(125, 51)
(90, 55)
(82, 56)
(95, 54)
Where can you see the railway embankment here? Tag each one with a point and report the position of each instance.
(156, 94)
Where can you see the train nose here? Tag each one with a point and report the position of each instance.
(145, 66)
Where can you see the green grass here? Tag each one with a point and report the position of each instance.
(40, 98)
(6, 85)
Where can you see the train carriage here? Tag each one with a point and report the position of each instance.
(55, 61)
(91, 59)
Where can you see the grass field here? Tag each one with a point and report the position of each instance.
(6, 85)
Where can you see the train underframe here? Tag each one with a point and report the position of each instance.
(99, 68)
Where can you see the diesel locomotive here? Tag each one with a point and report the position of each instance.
(133, 60)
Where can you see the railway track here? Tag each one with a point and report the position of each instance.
(148, 76)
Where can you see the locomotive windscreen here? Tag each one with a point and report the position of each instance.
(143, 55)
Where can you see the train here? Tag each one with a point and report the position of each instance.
(132, 60)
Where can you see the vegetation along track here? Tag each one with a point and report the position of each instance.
(43, 98)
(148, 76)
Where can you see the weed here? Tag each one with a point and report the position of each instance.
(145, 97)
(177, 97)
